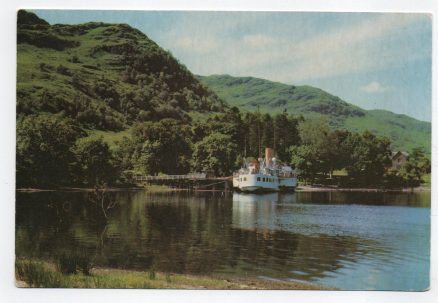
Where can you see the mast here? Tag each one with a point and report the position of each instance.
(244, 152)
(258, 130)
(275, 135)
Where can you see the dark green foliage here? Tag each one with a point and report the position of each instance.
(74, 59)
(152, 274)
(110, 77)
(66, 265)
(271, 97)
(74, 262)
(61, 69)
(25, 17)
(163, 146)
(369, 158)
(303, 158)
(315, 155)
(156, 85)
(249, 134)
(411, 173)
(45, 40)
(94, 163)
(365, 157)
(98, 115)
(44, 150)
(215, 153)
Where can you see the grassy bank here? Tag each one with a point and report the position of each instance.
(31, 273)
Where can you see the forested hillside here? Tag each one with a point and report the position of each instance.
(254, 94)
(98, 102)
(105, 76)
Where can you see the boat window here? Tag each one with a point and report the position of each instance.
(263, 179)
(244, 178)
(258, 178)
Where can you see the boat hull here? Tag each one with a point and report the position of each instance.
(288, 184)
(263, 183)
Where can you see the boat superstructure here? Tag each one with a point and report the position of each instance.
(265, 174)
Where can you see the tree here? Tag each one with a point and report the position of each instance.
(286, 134)
(163, 146)
(303, 159)
(94, 163)
(337, 156)
(44, 153)
(369, 157)
(215, 153)
(413, 170)
(315, 135)
(148, 159)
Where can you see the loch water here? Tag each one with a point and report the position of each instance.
(346, 240)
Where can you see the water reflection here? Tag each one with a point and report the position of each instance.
(273, 235)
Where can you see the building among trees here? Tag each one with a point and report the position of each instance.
(399, 158)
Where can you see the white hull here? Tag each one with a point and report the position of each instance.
(262, 182)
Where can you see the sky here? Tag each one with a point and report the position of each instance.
(373, 60)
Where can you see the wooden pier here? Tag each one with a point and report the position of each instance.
(196, 181)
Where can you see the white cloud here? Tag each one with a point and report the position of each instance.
(368, 44)
(200, 44)
(344, 50)
(374, 87)
(258, 40)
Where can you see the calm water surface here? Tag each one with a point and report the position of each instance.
(345, 240)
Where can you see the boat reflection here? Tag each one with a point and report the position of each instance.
(254, 211)
(268, 235)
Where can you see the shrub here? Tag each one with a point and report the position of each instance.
(71, 264)
(36, 274)
(61, 69)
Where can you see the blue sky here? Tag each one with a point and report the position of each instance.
(373, 60)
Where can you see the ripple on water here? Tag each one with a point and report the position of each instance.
(348, 241)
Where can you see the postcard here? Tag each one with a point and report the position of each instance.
(223, 150)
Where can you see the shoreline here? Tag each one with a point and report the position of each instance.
(41, 274)
(310, 188)
(164, 189)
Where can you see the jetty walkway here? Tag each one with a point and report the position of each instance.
(195, 181)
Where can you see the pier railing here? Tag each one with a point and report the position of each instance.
(197, 176)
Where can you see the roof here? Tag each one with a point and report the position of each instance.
(397, 153)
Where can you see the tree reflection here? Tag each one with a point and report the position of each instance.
(181, 233)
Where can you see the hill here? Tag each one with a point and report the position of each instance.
(105, 76)
(254, 94)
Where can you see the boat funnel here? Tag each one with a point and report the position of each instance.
(269, 154)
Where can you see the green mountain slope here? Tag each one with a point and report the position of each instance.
(105, 76)
(252, 94)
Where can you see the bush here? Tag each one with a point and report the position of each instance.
(36, 274)
(61, 69)
(74, 59)
(72, 264)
